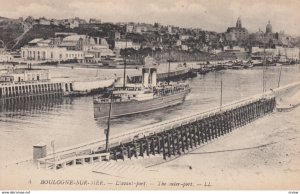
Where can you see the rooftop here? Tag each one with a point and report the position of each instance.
(36, 40)
(74, 38)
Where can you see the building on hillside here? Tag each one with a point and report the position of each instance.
(64, 34)
(237, 33)
(278, 52)
(123, 44)
(44, 43)
(137, 28)
(44, 21)
(94, 21)
(76, 42)
(234, 48)
(178, 43)
(97, 53)
(54, 22)
(71, 48)
(129, 28)
(184, 37)
(73, 24)
(117, 35)
(6, 57)
(184, 47)
(140, 28)
(269, 39)
(170, 29)
(269, 28)
(103, 42)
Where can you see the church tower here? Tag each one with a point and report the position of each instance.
(269, 28)
(239, 23)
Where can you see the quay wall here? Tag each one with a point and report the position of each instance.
(33, 104)
(21, 89)
(66, 88)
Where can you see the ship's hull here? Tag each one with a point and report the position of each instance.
(101, 110)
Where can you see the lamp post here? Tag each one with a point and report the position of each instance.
(169, 66)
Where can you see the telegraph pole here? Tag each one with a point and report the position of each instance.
(108, 122)
(221, 97)
(279, 77)
(264, 64)
(169, 66)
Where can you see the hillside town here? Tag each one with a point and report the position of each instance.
(76, 40)
(149, 95)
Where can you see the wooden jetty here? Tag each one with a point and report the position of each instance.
(172, 137)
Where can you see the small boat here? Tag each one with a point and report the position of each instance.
(257, 63)
(237, 67)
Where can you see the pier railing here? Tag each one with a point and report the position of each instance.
(54, 163)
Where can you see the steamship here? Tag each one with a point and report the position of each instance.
(138, 98)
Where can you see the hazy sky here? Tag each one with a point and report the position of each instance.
(214, 15)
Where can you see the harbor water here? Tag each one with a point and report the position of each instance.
(70, 121)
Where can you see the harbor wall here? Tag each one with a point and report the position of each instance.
(66, 88)
(30, 104)
(21, 89)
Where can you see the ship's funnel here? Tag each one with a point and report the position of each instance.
(149, 72)
(146, 77)
(153, 73)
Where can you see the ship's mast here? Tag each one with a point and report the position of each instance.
(221, 97)
(169, 65)
(125, 62)
(279, 77)
(264, 63)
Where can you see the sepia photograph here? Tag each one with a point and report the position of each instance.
(149, 95)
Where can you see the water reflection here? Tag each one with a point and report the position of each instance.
(30, 105)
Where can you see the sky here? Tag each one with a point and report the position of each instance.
(214, 15)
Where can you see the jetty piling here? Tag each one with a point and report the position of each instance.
(178, 140)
